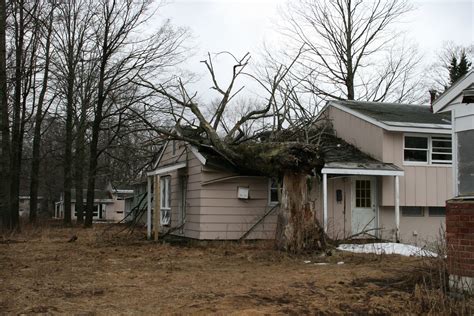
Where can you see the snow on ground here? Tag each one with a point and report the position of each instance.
(388, 248)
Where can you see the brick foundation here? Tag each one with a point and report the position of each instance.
(460, 242)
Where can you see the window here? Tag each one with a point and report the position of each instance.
(363, 193)
(416, 149)
(441, 149)
(165, 201)
(427, 149)
(273, 191)
(437, 211)
(412, 211)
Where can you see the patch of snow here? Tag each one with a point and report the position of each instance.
(307, 261)
(388, 248)
(340, 262)
(321, 263)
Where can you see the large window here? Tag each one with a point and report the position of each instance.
(427, 149)
(165, 201)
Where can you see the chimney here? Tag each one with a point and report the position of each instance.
(433, 93)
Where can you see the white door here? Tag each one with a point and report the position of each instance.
(364, 217)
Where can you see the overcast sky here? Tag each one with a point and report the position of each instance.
(241, 26)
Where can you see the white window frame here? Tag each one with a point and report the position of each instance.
(430, 161)
(432, 150)
(165, 200)
(270, 188)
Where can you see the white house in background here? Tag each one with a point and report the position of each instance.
(109, 204)
(459, 100)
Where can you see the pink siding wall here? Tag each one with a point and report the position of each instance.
(421, 185)
(428, 185)
(339, 213)
(224, 216)
(427, 228)
(193, 188)
(365, 136)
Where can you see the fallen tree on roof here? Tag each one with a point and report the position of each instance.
(294, 154)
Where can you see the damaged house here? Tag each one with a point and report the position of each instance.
(381, 170)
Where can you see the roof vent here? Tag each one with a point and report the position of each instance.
(468, 96)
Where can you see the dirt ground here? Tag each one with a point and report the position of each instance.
(120, 274)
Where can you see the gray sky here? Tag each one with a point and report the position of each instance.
(241, 26)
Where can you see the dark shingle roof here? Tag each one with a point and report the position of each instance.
(98, 194)
(395, 112)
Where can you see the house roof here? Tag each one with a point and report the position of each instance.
(396, 116)
(447, 98)
(98, 195)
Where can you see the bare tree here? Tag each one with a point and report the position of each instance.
(123, 56)
(25, 40)
(70, 40)
(4, 126)
(40, 113)
(349, 48)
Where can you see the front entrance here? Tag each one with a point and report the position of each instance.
(364, 215)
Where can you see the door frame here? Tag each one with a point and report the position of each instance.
(374, 198)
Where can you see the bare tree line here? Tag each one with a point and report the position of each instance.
(67, 73)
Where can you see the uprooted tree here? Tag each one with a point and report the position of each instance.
(285, 148)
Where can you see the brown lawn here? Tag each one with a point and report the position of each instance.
(121, 274)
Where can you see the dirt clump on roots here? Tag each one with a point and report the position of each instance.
(122, 274)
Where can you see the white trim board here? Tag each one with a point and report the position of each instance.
(424, 128)
(443, 102)
(197, 154)
(166, 169)
(364, 172)
(161, 154)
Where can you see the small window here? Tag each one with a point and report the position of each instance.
(273, 191)
(412, 211)
(441, 151)
(165, 201)
(416, 149)
(363, 193)
(437, 211)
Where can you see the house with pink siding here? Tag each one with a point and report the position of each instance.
(395, 189)
(406, 205)
(207, 198)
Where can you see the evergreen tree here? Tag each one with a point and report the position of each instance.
(458, 69)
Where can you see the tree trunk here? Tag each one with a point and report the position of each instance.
(35, 164)
(16, 144)
(68, 165)
(78, 172)
(297, 227)
(95, 138)
(5, 216)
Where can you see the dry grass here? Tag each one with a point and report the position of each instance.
(120, 274)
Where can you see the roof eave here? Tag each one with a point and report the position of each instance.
(426, 128)
(443, 102)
